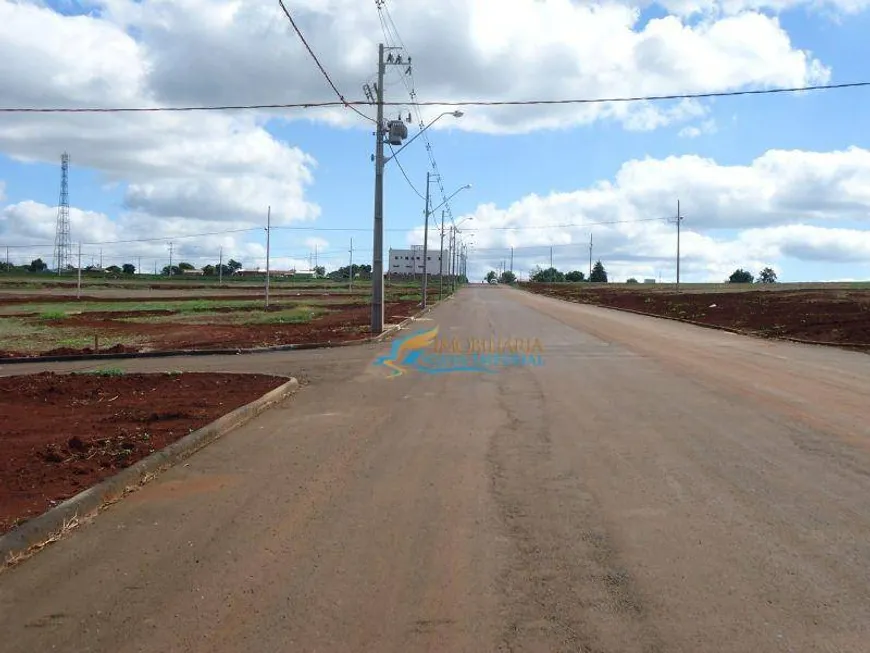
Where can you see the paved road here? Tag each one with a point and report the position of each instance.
(652, 487)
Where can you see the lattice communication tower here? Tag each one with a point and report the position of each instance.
(62, 241)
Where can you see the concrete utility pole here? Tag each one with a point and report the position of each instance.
(590, 257)
(426, 243)
(378, 236)
(350, 268)
(551, 256)
(398, 133)
(452, 258)
(170, 259)
(221, 267)
(440, 261)
(679, 220)
(79, 283)
(512, 260)
(268, 242)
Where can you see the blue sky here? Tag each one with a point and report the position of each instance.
(530, 169)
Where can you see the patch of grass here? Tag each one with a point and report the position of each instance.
(32, 337)
(186, 306)
(296, 315)
(52, 315)
(111, 371)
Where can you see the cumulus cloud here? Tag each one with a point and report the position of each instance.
(199, 51)
(783, 204)
(185, 166)
(730, 7)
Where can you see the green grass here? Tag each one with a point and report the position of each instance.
(52, 315)
(32, 337)
(296, 315)
(60, 310)
(111, 371)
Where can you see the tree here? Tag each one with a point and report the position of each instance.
(319, 272)
(233, 266)
(550, 275)
(113, 269)
(767, 275)
(631, 280)
(575, 276)
(128, 268)
(209, 270)
(507, 277)
(599, 274)
(175, 270)
(185, 266)
(37, 265)
(740, 276)
(491, 276)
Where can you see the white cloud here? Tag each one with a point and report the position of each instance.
(692, 131)
(199, 51)
(206, 167)
(791, 204)
(731, 7)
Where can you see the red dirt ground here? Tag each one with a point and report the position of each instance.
(337, 326)
(62, 434)
(838, 317)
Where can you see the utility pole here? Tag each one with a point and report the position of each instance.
(79, 284)
(378, 239)
(101, 258)
(170, 259)
(221, 267)
(453, 259)
(426, 243)
(268, 239)
(512, 260)
(350, 269)
(679, 220)
(590, 256)
(440, 261)
(551, 256)
(139, 266)
(7, 257)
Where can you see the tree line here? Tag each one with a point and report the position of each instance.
(551, 275)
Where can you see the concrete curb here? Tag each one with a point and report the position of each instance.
(35, 532)
(217, 352)
(753, 334)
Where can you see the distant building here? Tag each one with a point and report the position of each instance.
(193, 272)
(649, 280)
(410, 261)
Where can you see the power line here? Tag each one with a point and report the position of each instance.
(408, 80)
(319, 65)
(437, 103)
(562, 226)
(405, 175)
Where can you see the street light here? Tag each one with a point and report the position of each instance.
(455, 114)
(426, 243)
(377, 321)
(454, 263)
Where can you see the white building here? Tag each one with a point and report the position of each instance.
(410, 261)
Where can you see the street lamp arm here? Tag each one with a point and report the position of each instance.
(466, 187)
(456, 114)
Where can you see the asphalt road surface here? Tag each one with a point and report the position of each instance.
(652, 487)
